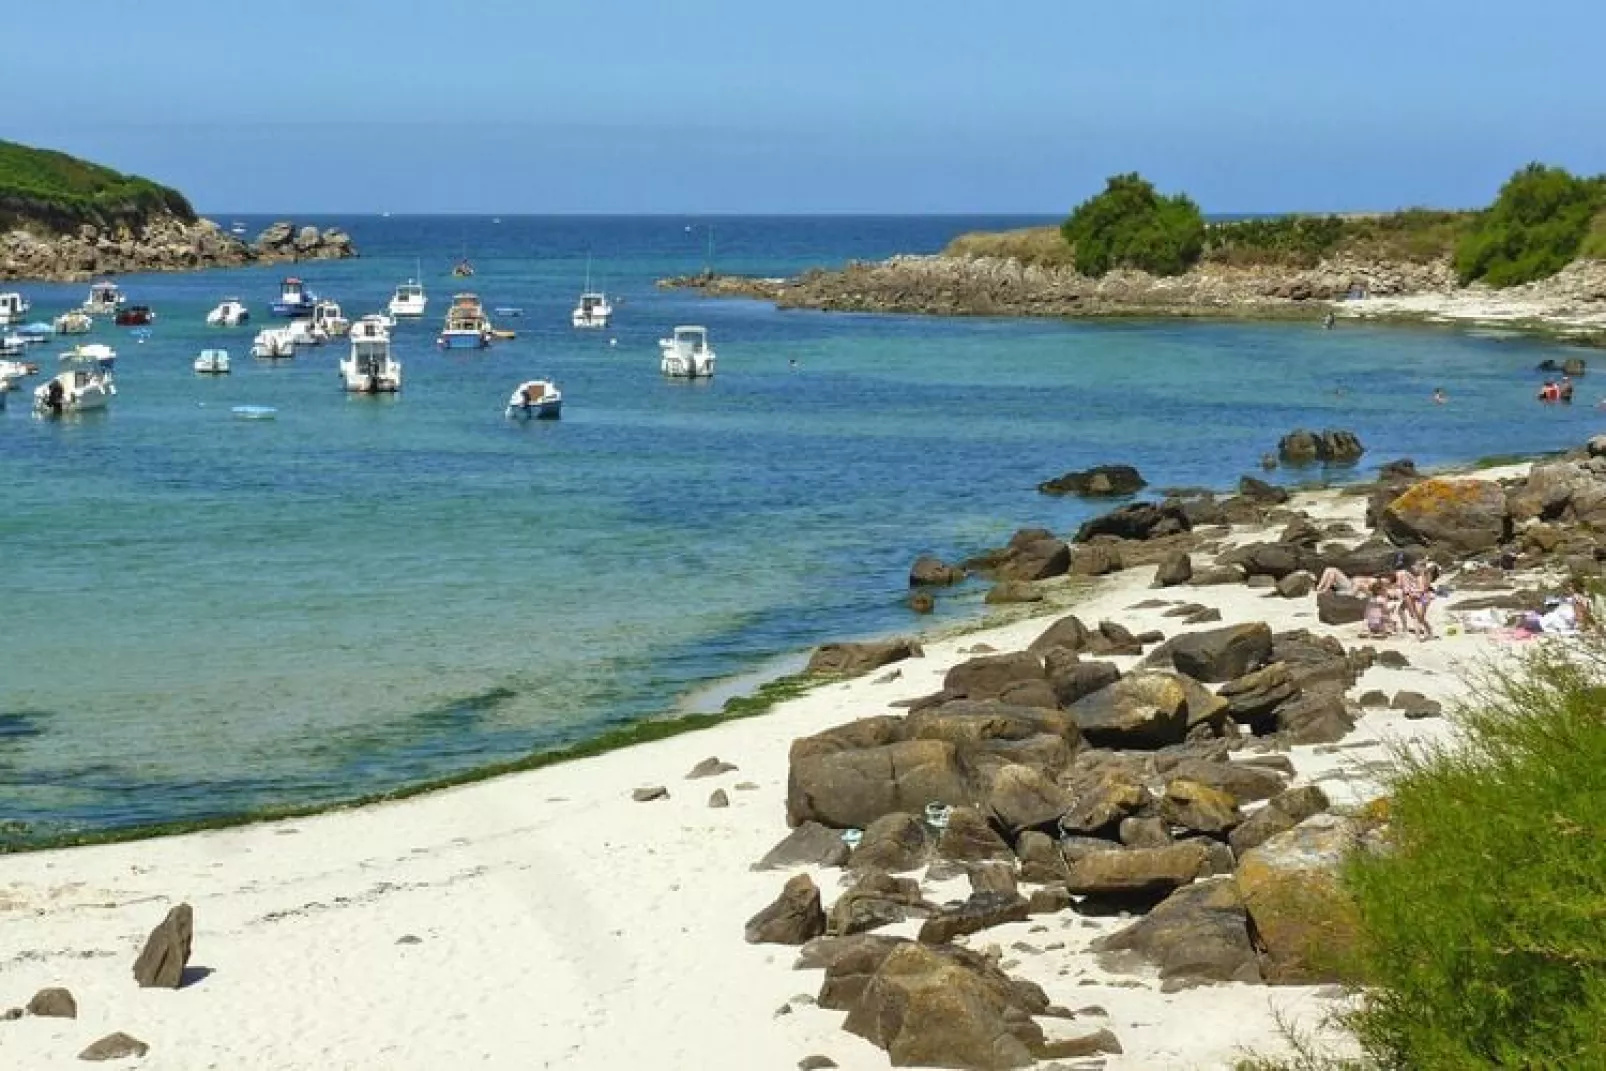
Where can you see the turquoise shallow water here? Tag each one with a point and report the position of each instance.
(204, 616)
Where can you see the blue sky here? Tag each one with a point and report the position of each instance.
(891, 106)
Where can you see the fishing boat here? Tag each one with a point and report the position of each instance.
(97, 354)
(213, 362)
(535, 399)
(593, 311)
(409, 300)
(231, 312)
(13, 309)
(273, 344)
(81, 388)
(462, 269)
(368, 367)
(466, 326)
(133, 316)
(74, 323)
(294, 299)
(327, 317)
(687, 354)
(104, 299)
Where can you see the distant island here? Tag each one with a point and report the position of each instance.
(1534, 259)
(65, 219)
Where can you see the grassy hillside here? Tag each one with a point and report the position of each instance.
(51, 192)
(1417, 235)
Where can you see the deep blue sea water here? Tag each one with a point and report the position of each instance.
(203, 616)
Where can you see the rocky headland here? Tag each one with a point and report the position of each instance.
(63, 219)
(952, 284)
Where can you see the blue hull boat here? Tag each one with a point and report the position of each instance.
(463, 340)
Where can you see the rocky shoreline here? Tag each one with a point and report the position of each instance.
(162, 243)
(1574, 301)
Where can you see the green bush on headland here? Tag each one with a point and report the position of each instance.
(1535, 228)
(51, 191)
(1484, 922)
(1129, 225)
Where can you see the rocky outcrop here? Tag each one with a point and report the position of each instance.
(1102, 481)
(161, 243)
(1329, 447)
(1303, 919)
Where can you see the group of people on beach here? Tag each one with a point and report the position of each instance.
(1394, 603)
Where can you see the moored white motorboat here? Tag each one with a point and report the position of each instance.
(36, 333)
(12, 345)
(593, 311)
(81, 388)
(466, 326)
(104, 299)
(230, 312)
(13, 309)
(294, 299)
(74, 323)
(368, 367)
(273, 343)
(409, 300)
(213, 362)
(305, 333)
(97, 354)
(327, 317)
(11, 371)
(535, 399)
(687, 354)
(383, 319)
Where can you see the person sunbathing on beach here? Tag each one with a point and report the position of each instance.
(1333, 579)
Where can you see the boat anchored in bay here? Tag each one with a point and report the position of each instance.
(82, 387)
(466, 326)
(368, 367)
(687, 354)
(535, 399)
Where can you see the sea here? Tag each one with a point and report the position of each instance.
(204, 617)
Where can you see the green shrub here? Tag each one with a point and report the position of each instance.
(1534, 228)
(1029, 245)
(1300, 241)
(1594, 244)
(1129, 225)
(1484, 925)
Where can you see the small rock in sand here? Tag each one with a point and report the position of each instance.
(10, 1014)
(115, 1047)
(815, 1062)
(719, 799)
(409, 939)
(709, 767)
(647, 795)
(53, 1003)
(746, 786)
(166, 953)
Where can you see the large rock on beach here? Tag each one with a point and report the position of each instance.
(1304, 920)
(929, 1007)
(53, 1003)
(1467, 516)
(970, 838)
(982, 911)
(1282, 813)
(795, 917)
(1102, 481)
(1335, 609)
(1219, 655)
(893, 843)
(1198, 934)
(1143, 710)
(1138, 871)
(1037, 559)
(114, 1046)
(167, 951)
(851, 789)
(856, 659)
(1176, 569)
(1021, 798)
(993, 676)
(1137, 521)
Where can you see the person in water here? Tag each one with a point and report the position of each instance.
(1439, 397)
(1550, 392)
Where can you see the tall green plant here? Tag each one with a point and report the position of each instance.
(1484, 925)
(1129, 225)
(1533, 229)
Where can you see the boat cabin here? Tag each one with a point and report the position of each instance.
(103, 297)
(693, 340)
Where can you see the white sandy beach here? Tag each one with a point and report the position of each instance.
(545, 920)
(1571, 302)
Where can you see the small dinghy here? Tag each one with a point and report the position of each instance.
(254, 412)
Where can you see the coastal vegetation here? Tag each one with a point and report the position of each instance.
(1483, 924)
(1542, 220)
(55, 193)
(1131, 225)
(1536, 227)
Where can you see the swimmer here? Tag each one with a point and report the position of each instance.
(1439, 397)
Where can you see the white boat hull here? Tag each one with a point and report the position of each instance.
(81, 398)
(410, 310)
(681, 366)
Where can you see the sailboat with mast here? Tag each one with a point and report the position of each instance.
(593, 311)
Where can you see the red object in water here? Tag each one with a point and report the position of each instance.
(134, 316)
